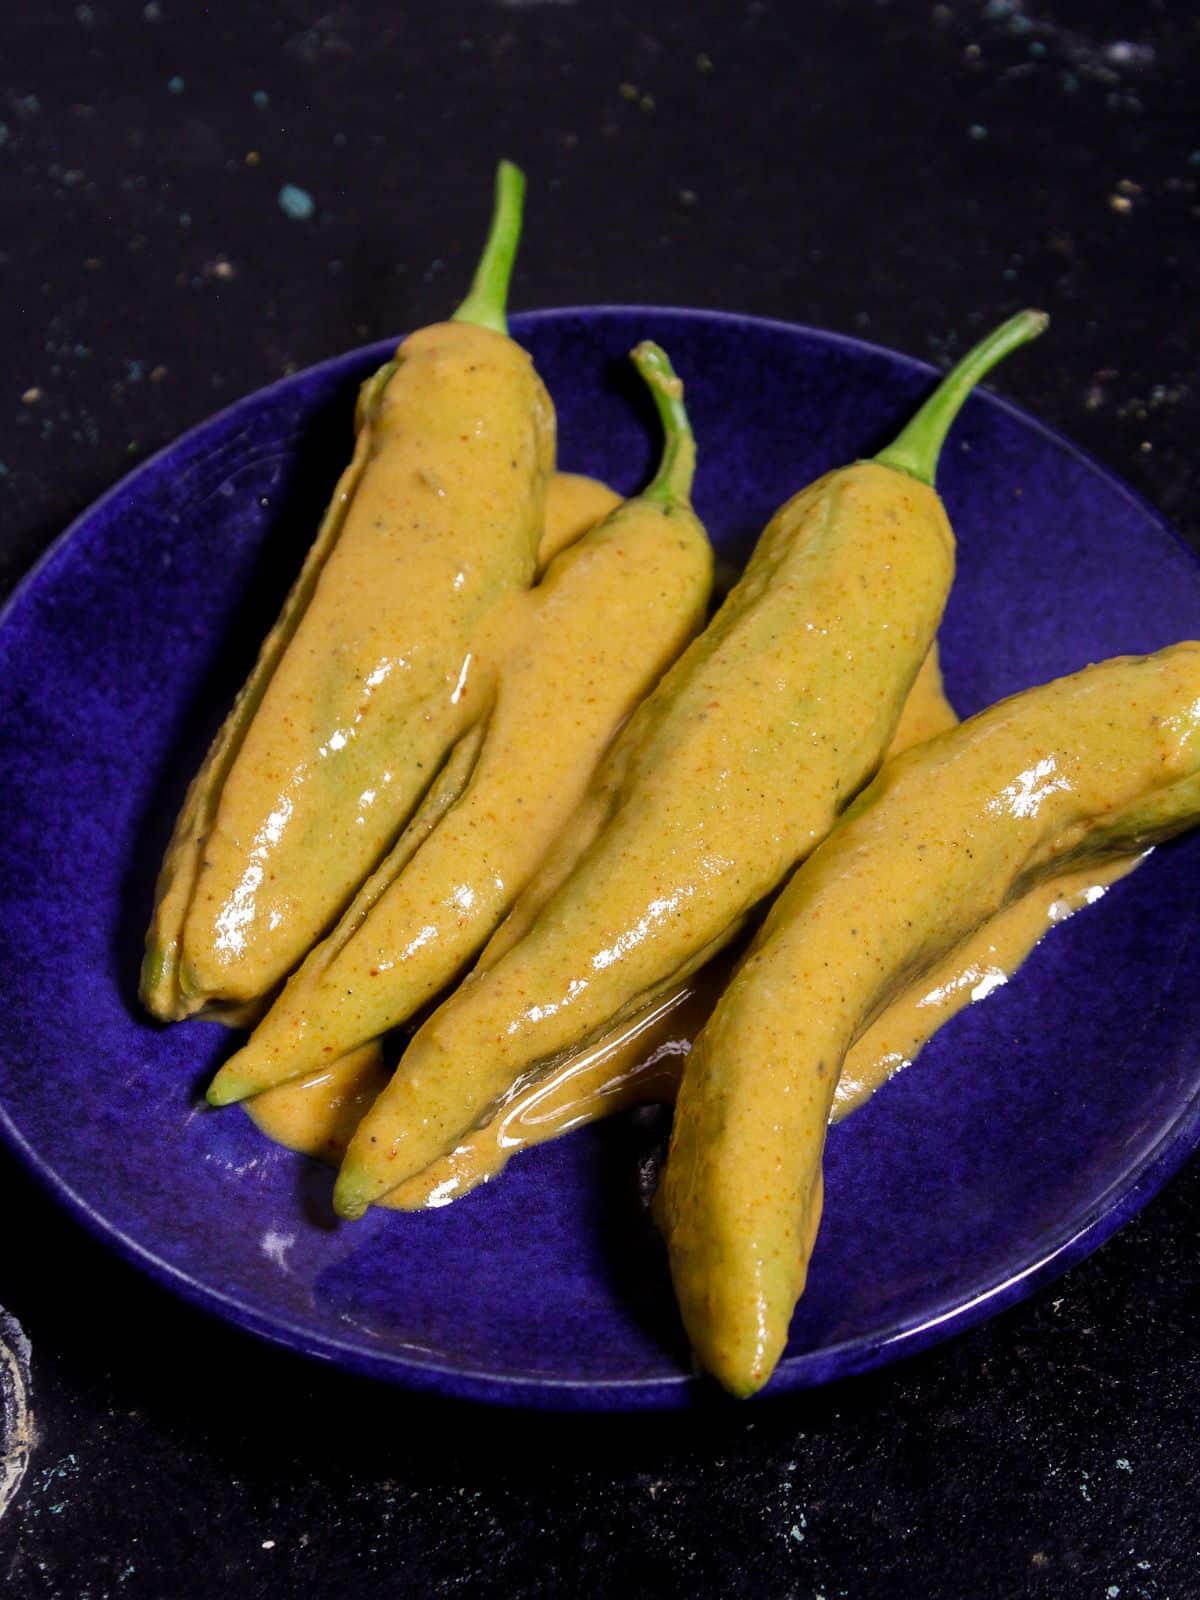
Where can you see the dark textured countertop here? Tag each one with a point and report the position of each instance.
(198, 200)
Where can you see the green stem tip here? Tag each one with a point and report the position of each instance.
(673, 480)
(486, 303)
(916, 448)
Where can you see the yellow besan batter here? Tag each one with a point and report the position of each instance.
(371, 680)
(641, 1062)
(574, 504)
(573, 659)
(1084, 771)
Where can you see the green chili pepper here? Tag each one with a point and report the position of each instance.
(1087, 769)
(374, 670)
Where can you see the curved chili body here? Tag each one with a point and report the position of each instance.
(378, 663)
(380, 674)
(1087, 769)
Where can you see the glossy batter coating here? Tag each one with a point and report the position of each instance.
(378, 664)
(731, 772)
(580, 652)
(638, 1063)
(1088, 769)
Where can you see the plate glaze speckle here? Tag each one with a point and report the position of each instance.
(1032, 1127)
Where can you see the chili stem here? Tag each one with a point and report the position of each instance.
(916, 448)
(485, 305)
(677, 468)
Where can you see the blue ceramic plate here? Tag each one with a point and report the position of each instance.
(1032, 1127)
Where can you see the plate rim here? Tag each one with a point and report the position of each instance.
(1081, 1235)
(380, 347)
(848, 1358)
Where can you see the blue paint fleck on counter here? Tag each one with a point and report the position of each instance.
(296, 203)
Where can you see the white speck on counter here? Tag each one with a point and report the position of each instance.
(1123, 53)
